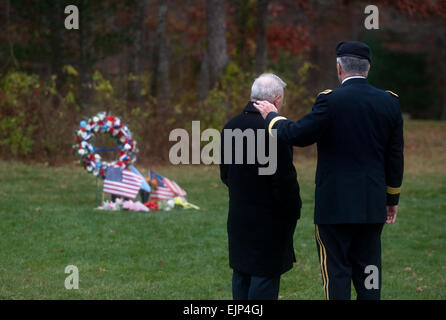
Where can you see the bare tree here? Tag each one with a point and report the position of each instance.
(243, 8)
(182, 59)
(203, 79)
(6, 10)
(442, 41)
(216, 38)
(216, 56)
(261, 43)
(160, 63)
(56, 21)
(85, 54)
(136, 35)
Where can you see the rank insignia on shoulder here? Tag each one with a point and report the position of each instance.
(325, 91)
(392, 93)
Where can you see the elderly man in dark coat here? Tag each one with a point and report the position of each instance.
(263, 207)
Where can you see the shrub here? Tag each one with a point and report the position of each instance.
(18, 98)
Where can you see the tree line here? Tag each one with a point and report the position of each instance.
(165, 62)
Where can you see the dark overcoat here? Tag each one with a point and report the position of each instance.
(263, 209)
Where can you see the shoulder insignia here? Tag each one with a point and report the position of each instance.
(392, 93)
(325, 91)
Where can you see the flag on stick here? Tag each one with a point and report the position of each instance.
(123, 183)
(167, 189)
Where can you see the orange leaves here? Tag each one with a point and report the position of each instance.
(423, 8)
(290, 38)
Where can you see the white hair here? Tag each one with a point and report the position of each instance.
(353, 65)
(267, 87)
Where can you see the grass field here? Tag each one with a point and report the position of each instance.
(48, 221)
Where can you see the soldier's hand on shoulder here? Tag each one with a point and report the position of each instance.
(265, 107)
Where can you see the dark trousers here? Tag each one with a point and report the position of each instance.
(350, 252)
(249, 287)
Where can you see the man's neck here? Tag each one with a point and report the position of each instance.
(353, 76)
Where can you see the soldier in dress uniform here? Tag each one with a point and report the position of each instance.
(359, 134)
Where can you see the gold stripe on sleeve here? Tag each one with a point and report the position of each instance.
(271, 124)
(323, 263)
(391, 190)
(392, 93)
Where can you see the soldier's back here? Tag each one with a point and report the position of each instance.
(350, 177)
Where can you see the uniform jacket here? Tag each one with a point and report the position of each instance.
(359, 134)
(263, 209)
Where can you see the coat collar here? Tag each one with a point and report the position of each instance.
(354, 81)
(250, 108)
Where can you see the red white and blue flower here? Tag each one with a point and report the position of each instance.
(103, 123)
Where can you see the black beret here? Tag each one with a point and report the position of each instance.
(353, 49)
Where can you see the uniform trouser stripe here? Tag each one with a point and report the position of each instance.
(323, 260)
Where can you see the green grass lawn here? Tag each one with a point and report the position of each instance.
(48, 221)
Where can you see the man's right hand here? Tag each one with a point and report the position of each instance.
(265, 107)
(391, 214)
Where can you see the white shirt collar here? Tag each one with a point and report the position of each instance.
(352, 77)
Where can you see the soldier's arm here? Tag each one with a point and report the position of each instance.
(395, 160)
(305, 131)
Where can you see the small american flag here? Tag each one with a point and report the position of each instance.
(157, 177)
(122, 183)
(167, 189)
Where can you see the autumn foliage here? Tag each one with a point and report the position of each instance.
(145, 61)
